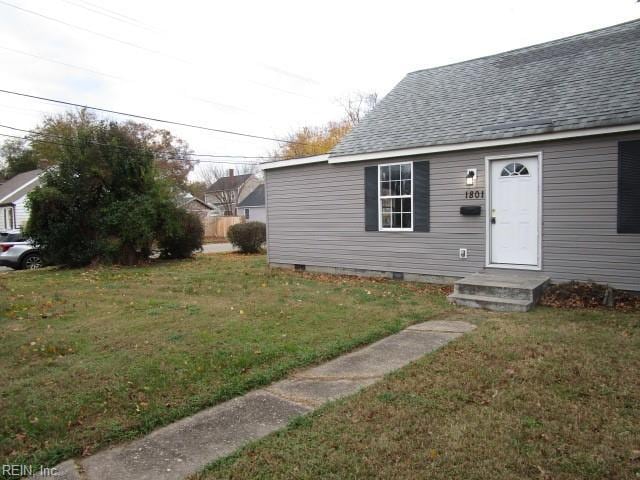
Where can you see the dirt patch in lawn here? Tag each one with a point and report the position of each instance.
(589, 295)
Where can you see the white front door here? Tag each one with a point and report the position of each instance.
(513, 212)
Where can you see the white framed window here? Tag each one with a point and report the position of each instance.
(395, 196)
(246, 213)
(7, 218)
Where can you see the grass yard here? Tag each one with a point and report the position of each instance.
(91, 357)
(548, 395)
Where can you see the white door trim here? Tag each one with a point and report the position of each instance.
(487, 176)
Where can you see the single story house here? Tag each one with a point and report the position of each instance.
(13, 194)
(252, 207)
(525, 161)
(195, 205)
(226, 192)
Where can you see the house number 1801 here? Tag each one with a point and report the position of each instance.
(474, 194)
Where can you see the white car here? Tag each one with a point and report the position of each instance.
(18, 252)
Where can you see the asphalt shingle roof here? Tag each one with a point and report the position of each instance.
(228, 183)
(17, 186)
(255, 198)
(583, 81)
(183, 198)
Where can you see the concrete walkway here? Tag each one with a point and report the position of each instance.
(185, 447)
(217, 248)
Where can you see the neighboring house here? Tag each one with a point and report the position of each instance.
(228, 191)
(524, 160)
(252, 208)
(13, 194)
(195, 205)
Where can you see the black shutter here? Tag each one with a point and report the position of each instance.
(371, 199)
(629, 187)
(421, 190)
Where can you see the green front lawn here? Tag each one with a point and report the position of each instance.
(547, 395)
(91, 357)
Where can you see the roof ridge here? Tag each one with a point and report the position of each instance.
(528, 47)
(581, 82)
(229, 181)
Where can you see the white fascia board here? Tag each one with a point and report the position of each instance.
(24, 185)
(294, 161)
(543, 137)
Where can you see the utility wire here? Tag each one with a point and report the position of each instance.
(118, 17)
(140, 47)
(69, 65)
(114, 12)
(123, 79)
(117, 146)
(33, 132)
(92, 32)
(25, 109)
(152, 119)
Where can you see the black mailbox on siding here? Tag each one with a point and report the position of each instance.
(471, 210)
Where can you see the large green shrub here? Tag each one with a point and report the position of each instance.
(104, 201)
(181, 235)
(248, 237)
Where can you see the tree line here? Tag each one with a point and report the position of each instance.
(108, 189)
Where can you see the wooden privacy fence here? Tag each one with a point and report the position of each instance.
(218, 226)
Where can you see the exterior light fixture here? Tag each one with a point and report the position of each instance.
(471, 177)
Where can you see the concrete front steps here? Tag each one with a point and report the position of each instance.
(500, 290)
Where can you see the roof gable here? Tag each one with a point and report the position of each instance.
(255, 198)
(585, 81)
(228, 183)
(184, 198)
(197, 200)
(18, 186)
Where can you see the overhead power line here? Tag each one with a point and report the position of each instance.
(69, 65)
(152, 119)
(150, 50)
(116, 77)
(118, 17)
(140, 47)
(208, 155)
(114, 12)
(105, 144)
(92, 32)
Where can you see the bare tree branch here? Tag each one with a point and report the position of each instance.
(357, 105)
(308, 141)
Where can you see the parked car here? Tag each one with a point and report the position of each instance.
(18, 252)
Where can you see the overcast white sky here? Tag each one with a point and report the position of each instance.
(262, 67)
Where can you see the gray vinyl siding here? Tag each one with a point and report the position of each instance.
(315, 216)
